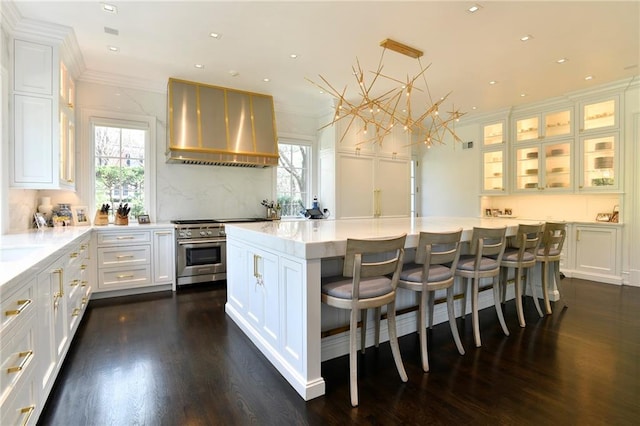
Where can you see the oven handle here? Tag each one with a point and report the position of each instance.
(198, 242)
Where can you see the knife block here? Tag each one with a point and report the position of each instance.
(122, 220)
(101, 218)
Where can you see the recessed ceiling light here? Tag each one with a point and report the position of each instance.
(474, 8)
(589, 77)
(266, 79)
(234, 73)
(492, 82)
(474, 107)
(113, 48)
(562, 60)
(199, 66)
(293, 56)
(217, 36)
(109, 8)
(526, 37)
(522, 95)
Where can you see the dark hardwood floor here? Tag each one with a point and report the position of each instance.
(176, 359)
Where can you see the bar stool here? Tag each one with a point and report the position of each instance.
(487, 248)
(364, 284)
(434, 268)
(549, 255)
(521, 256)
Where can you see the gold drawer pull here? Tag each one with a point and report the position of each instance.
(85, 300)
(22, 304)
(126, 237)
(73, 255)
(74, 283)
(124, 276)
(124, 256)
(84, 283)
(83, 267)
(76, 312)
(28, 411)
(26, 355)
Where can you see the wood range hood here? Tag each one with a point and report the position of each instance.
(218, 126)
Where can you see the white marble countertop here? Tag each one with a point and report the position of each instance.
(28, 250)
(311, 239)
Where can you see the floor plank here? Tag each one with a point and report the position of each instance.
(177, 359)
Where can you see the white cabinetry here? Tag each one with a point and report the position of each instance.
(43, 132)
(597, 252)
(361, 178)
(494, 155)
(135, 259)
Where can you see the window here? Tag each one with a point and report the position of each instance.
(121, 166)
(294, 178)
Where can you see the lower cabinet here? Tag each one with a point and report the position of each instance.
(597, 252)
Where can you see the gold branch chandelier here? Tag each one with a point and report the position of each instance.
(376, 114)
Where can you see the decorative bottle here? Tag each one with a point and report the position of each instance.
(45, 207)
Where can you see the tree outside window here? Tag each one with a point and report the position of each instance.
(293, 178)
(119, 167)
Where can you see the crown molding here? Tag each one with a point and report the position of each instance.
(10, 15)
(124, 81)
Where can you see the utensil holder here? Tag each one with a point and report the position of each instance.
(122, 220)
(101, 219)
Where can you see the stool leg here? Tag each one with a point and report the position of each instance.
(498, 305)
(534, 293)
(452, 320)
(556, 266)
(518, 289)
(504, 275)
(363, 330)
(431, 304)
(353, 359)
(422, 331)
(474, 311)
(378, 314)
(393, 340)
(545, 287)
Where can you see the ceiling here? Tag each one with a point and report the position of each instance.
(162, 39)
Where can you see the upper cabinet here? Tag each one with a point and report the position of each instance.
(545, 166)
(43, 133)
(599, 163)
(545, 125)
(494, 153)
(600, 114)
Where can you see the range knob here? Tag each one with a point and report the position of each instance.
(203, 233)
(188, 233)
(181, 234)
(209, 233)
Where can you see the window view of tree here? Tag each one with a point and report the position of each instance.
(293, 178)
(119, 166)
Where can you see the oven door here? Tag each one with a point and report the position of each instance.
(201, 261)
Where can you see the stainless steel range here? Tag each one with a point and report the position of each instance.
(201, 249)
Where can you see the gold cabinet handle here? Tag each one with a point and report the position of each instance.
(76, 312)
(26, 356)
(163, 233)
(256, 272)
(84, 283)
(27, 411)
(60, 281)
(120, 277)
(74, 283)
(125, 237)
(83, 267)
(124, 256)
(73, 255)
(85, 300)
(22, 305)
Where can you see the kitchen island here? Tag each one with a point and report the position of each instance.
(273, 286)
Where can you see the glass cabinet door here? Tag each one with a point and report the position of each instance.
(527, 168)
(599, 163)
(557, 165)
(493, 134)
(527, 129)
(599, 115)
(557, 123)
(493, 171)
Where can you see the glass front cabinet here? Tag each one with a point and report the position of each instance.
(544, 166)
(494, 157)
(600, 114)
(544, 126)
(599, 163)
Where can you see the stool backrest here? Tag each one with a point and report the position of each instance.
(435, 248)
(489, 241)
(528, 236)
(553, 237)
(375, 257)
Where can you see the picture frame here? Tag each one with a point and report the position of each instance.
(144, 219)
(41, 221)
(487, 212)
(80, 216)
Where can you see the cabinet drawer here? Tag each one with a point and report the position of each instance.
(119, 238)
(19, 407)
(123, 256)
(124, 277)
(17, 355)
(17, 305)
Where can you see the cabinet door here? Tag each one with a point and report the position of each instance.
(33, 154)
(493, 171)
(597, 250)
(67, 175)
(557, 166)
(392, 196)
(163, 257)
(493, 134)
(527, 168)
(397, 144)
(263, 298)
(33, 68)
(601, 114)
(558, 123)
(528, 129)
(353, 137)
(599, 163)
(355, 186)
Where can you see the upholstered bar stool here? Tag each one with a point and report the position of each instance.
(487, 248)
(521, 256)
(433, 269)
(369, 280)
(549, 257)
